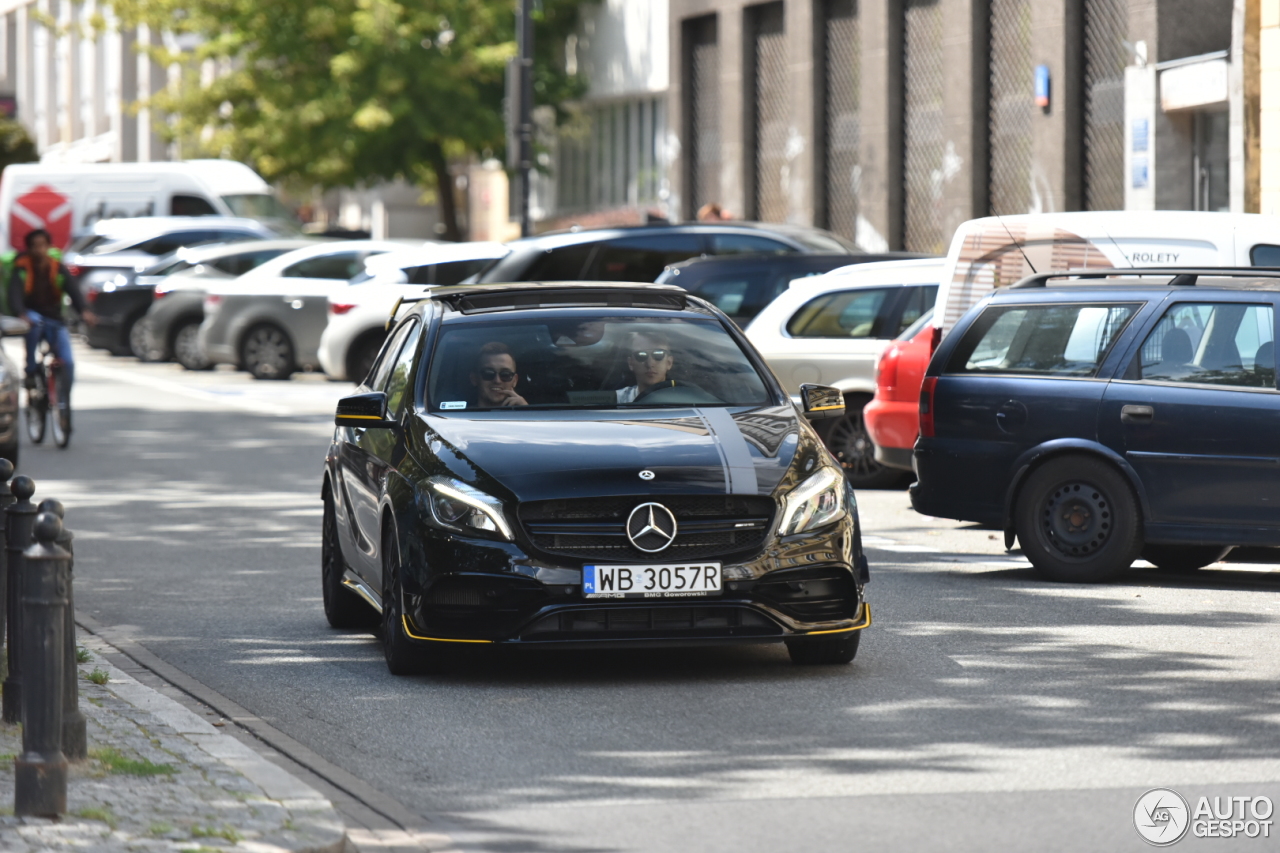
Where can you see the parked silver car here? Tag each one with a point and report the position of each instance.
(269, 320)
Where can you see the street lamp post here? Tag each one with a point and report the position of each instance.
(524, 120)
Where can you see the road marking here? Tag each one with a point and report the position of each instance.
(223, 398)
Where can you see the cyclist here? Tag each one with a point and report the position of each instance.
(36, 287)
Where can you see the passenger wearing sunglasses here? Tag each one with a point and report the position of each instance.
(650, 360)
(495, 377)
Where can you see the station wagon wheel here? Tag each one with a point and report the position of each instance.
(342, 607)
(847, 438)
(1078, 520)
(267, 353)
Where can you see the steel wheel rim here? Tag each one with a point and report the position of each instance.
(1076, 520)
(186, 346)
(852, 445)
(268, 352)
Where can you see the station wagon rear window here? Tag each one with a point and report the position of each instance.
(1042, 340)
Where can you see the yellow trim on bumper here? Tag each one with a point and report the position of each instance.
(409, 632)
(866, 624)
(825, 408)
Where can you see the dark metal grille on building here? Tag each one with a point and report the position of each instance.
(924, 165)
(770, 111)
(702, 113)
(1011, 111)
(841, 100)
(1105, 57)
(610, 155)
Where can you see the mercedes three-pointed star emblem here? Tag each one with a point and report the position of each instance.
(651, 527)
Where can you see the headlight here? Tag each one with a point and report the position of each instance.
(817, 501)
(461, 507)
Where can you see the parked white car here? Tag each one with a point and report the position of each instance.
(358, 314)
(830, 329)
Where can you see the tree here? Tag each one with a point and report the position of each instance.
(345, 91)
(15, 145)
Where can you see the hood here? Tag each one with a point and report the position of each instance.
(562, 454)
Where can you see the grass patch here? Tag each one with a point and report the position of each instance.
(102, 814)
(98, 676)
(160, 828)
(82, 655)
(7, 757)
(94, 700)
(116, 762)
(226, 833)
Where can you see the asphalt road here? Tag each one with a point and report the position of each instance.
(986, 710)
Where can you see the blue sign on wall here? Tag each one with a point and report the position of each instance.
(1042, 86)
(1141, 135)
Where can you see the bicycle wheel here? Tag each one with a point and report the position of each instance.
(60, 407)
(37, 407)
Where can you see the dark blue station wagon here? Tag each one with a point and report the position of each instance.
(1099, 421)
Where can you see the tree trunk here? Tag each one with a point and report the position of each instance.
(444, 189)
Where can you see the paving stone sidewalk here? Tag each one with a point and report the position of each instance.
(161, 778)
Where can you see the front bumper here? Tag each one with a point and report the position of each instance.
(806, 585)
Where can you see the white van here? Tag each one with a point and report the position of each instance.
(997, 251)
(67, 199)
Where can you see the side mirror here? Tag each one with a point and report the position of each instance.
(363, 411)
(13, 326)
(821, 401)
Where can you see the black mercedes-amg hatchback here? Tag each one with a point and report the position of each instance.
(585, 464)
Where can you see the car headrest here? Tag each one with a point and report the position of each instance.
(1175, 347)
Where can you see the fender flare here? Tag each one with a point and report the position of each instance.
(1041, 453)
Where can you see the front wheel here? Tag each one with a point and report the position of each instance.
(1078, 520)
(1183, 558)
(186, 347)
(342, 607)
(828, 650)
(139, 340)
(403, 657)
(267, 353)
(60, 409)
(847, 438)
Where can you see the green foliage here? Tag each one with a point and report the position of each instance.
(99, 676)
(226, 833)
(103, 814)
(15, 145)
(82, 655)
(116, 762)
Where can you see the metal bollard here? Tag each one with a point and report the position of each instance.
(75, 737)
(40, 773)
(6, 500)
(18, 520)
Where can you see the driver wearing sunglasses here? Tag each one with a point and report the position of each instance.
(650, 360)
(495, 377)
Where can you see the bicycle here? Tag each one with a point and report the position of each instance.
(51, 395)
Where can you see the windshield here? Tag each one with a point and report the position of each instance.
(590, 360)
(261, 206)
(822, 241)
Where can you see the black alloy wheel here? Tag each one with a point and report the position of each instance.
(1184, 558)
(1078, 520)
(267, 353)
(60, 408)
(139, 340)
(186, 347)
(403, 657)
(839, 649)
(362, 354)
(847, 438)
(342, 607)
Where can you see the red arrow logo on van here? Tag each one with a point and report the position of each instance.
(43, 207)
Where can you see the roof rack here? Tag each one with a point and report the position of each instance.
(1182, 276)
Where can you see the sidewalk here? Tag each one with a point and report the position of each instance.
(161, 778)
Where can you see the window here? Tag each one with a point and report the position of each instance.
(390, 352)
(453, 272)
(398, 378)
(235, 236)
(242, 263)
(845, 314)
(340, 265)
(1263, 255)
(1053, 340)
(166, 243)
(190, 205)
(741, 244)
(1227, 343)
(643, 258)
(728, 292)
(563, 264)
(918, 301)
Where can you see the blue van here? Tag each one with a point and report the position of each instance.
(1098, 416)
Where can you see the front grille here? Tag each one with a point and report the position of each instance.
(595, 528)
(620, 622)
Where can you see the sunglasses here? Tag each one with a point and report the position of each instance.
(488, 374)
(656, 355)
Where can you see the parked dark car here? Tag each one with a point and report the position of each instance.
(502, 478)
(642, 252)
(106, 262)
(179, 283)
(742, 285)
(1099, 422)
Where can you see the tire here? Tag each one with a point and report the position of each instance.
(362, 354)
(1078, 520)
(60, 411)
(342, 607)
(34, 414)
(847, 438)
(186, 347)
(138, 339)
(267, 353)
(830, 650)
(1184, 558)
(403, 657)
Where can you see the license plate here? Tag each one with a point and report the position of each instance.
(669, 581)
